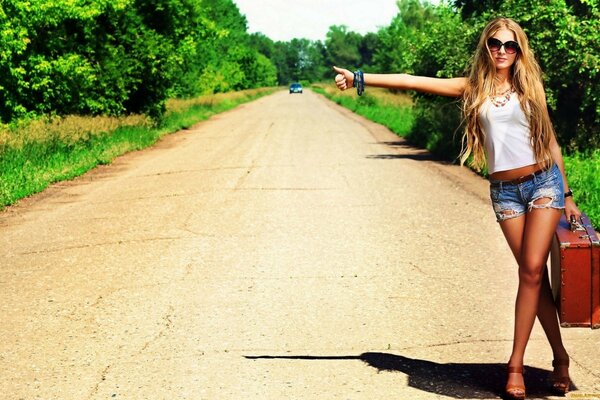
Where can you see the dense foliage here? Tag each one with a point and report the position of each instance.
(117, 57)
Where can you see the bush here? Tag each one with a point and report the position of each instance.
(583, 171)
(437, 126)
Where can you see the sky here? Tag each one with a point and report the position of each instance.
(283, 20)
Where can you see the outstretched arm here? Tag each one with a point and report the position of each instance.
(451, 87)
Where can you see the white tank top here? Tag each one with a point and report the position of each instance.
(507, 135)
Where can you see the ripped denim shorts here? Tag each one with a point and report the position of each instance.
(511, 200)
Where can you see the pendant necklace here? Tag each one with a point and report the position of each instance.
(500, 99)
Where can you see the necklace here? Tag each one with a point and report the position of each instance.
(500, 99)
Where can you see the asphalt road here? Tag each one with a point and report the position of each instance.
(286, 249)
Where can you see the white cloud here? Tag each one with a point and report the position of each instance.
(287, 19)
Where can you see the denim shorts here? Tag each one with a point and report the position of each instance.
(511, 200)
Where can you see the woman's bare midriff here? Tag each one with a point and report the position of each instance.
(511, 174)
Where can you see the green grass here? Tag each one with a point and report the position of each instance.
(29, 166)
(583, 169)
(583, 173)
(392, 111)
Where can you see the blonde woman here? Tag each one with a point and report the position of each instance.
(509, 130)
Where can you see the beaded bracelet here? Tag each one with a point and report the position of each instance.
(359, 82)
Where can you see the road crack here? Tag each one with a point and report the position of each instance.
(101, 244)
(96, 388)
(167, 326)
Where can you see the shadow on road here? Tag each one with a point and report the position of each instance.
(408, 152)
(416, 157)
(458, 380)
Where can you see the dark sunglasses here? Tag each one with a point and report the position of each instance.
(510, 46)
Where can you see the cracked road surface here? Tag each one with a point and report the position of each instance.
(287, 249)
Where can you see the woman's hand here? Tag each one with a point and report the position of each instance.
(344, 78)
(571, 209)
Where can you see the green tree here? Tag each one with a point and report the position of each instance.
(89, 58)
(398, 43)
(367, 48)
(343, 47)
(227, 59)
(470, 8)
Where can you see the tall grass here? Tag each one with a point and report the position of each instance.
(396, 113)
(36, 153)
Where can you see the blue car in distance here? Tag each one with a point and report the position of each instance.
(295, 88)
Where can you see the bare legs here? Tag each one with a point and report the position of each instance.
(549, 320)
(529, 237)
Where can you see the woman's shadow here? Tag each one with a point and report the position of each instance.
(461, 381)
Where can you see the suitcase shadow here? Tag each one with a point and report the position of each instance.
(457, 380)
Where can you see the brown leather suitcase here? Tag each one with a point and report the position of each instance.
(575, 258)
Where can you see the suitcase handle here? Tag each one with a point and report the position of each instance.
(576, 225)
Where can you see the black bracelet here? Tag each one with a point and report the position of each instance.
(569, 193)
(359, 82)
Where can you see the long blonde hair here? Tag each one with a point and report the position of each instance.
(526, 77)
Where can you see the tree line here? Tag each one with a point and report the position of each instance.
(117, 57)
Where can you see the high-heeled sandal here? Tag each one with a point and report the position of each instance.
(515, 392)
(560, 384)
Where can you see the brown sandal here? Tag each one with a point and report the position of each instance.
(515, 392)
(560, 384)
